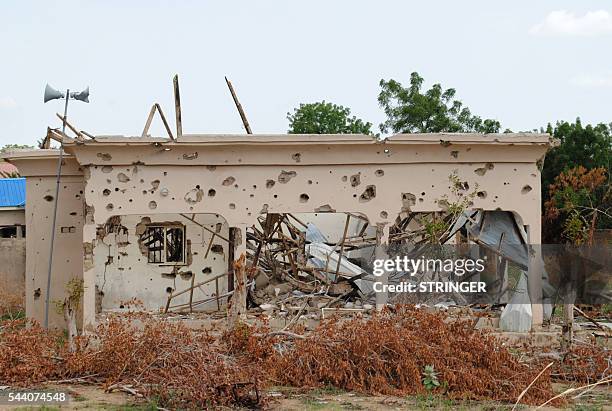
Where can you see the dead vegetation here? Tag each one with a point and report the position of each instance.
(391, 353)
(11, 305)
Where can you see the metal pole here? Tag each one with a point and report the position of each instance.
(57, 189)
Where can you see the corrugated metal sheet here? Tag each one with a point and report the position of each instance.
(12, 192)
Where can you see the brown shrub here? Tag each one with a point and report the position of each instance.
(28, 354)
(188, 369)
(388, 353)
(182, 368)
(584, 363)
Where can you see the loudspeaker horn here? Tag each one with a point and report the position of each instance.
(52, 94)
(81, 95)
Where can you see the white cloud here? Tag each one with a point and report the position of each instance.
(565, 23)
(7, 102)
(592, 80)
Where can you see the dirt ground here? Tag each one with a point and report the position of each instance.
(89, 397)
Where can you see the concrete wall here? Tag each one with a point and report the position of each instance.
(241, 177)
(12, 265)
(123, 272)
(12, 216)
(39, 168)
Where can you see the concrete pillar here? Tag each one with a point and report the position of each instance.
(89, 278)
(534, 274)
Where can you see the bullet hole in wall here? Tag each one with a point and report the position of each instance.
(326, 208)
(408, 199)
(304, 198)
(228, 181)
(212, 192)
(48, 197)
(194, 196)
(104, 156)
(368, 194)
(190, 156)
(285, 176)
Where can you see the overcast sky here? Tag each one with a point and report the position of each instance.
(523, 62)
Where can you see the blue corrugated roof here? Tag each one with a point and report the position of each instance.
(12, 192)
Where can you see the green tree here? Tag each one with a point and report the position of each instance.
(325, 118)
(569, 196)
(588, 146)
(409, 110)
(9, 147)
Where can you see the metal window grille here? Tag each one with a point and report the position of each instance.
(165, 244)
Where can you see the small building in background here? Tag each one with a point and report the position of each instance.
(12, 207)
(12, 235)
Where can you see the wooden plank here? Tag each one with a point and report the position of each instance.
(346, 226)
(145, 130)
(243, 117)
(177, 107)
(163, 117)
(71, 127)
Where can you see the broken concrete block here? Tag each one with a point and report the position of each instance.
(268, 307)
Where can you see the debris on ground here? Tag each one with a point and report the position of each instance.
(388, 353)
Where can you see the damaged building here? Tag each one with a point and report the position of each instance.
(161, 221)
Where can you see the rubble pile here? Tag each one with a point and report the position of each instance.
(297, 270)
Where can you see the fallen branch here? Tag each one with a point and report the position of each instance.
(283, 333)
(71, 380)
(520, 397)
(571, 390)
(582, 313)
(124, 388)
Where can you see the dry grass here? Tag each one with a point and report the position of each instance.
(183, 368)
(12, 305)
